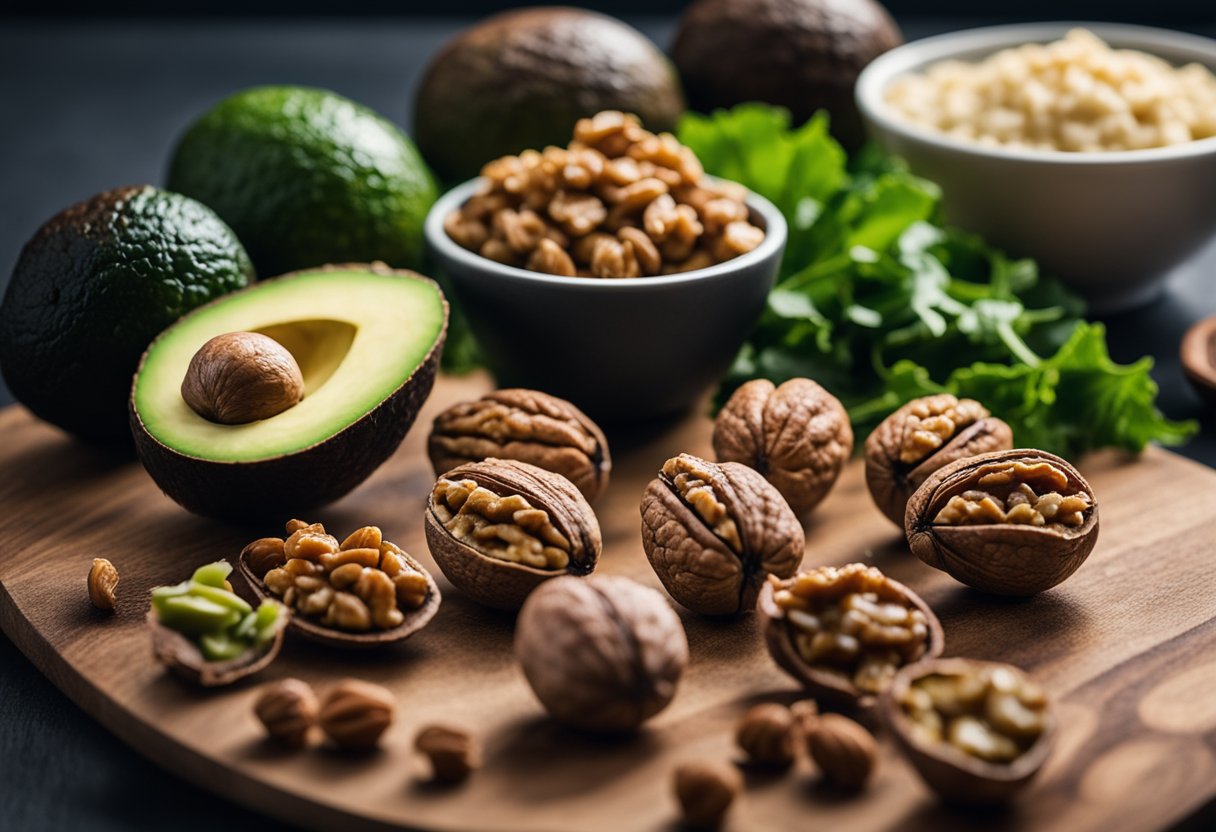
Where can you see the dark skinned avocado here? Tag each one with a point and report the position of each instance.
(521, 80)
(94, 286)
(367, 340)
(307, 177)
(804, 55)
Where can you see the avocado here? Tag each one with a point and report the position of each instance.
(306, 177)
(93, 286)
(367, 341)
(521, 80)
(804, 55)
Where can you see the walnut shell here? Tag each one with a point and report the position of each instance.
(1000, 558)
(957, 777)
(503, 584)
(797, 435)
(181, 655)
(845, 751)
(711, 569)
(526, 425)
(602, 653)
(824, 685)
(892, 480)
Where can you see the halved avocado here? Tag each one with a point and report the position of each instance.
(368, 341)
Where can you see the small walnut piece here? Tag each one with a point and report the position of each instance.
(1014, 522)
(713, 532)
(506, 527)
(921, 437)
(242, 377)
(355, 714)
(264, 554)
(452, 752)
(287, 710)
(976, 731)
(768, 734)
(706, 791)
(103, 581)
(797, 435)
(526, 425)
(844, 751)
(845, 631)
(601, 653)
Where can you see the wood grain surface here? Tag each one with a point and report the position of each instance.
(1128, 645)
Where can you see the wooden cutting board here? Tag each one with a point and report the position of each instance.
(1128, 645)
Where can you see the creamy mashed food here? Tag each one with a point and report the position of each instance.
(1076, 94)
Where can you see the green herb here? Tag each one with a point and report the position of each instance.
(881, 303)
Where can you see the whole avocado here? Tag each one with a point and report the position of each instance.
(93, 287)
(804, 55)
(306, 177)
(521, 80)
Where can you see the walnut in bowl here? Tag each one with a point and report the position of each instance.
(844, 632)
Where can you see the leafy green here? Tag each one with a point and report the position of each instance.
(881, 303)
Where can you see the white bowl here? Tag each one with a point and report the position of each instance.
(1110, 224)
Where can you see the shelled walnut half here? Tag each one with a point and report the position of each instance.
(361, 592)
(1013, 522)
(526, 425)
(498, 528)
(714, 532)
(845, 631)
(921, 437)
(976, 731)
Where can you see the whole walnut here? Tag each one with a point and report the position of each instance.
(923, 436)
(797, 435)
(602, 653)
(714, 532)
(526, 425)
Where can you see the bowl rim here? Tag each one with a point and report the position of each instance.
(916, 55)
(445, 247)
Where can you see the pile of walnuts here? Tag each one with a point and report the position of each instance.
(619, 202)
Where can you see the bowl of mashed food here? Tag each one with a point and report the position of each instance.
(1090, 147)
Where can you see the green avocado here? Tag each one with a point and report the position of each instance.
(367, 341)
(94, 286)
(307, 177)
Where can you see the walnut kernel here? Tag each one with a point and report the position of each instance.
(355, 714)
(103, 580)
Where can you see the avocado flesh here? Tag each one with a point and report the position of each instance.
(377, 330)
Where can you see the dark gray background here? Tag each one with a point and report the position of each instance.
(89, 104)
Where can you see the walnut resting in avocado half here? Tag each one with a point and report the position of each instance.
(367, 341)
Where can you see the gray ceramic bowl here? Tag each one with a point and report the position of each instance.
(626, 351)
(1112, 225)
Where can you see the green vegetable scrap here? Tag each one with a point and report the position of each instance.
(223, 625)
(881, 303)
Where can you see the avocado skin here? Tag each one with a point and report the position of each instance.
(287, 485)
(94, 286)
(307, 177)
(803, 55)
(521, 80)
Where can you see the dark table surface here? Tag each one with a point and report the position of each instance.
(90, 105)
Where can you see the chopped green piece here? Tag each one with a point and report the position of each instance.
(162, 593)
(213, 574)
(193, 615)
(218, 647)
(220, 596)
(267, 621)
(247, 628)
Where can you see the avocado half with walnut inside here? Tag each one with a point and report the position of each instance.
(290, 393)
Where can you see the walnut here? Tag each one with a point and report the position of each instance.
(526, 425)
(103, 580)
(601, 653)
(845, 631)
(287, 710)
(713, 532)
(844, 751)
(242, 377)
(797, 435)
(264, 554)
(705, 791)
(768, 734)
(452, 752)
(1013, 522)
(977, 732)
(355, 714)
(498, 528)
(922, 436)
